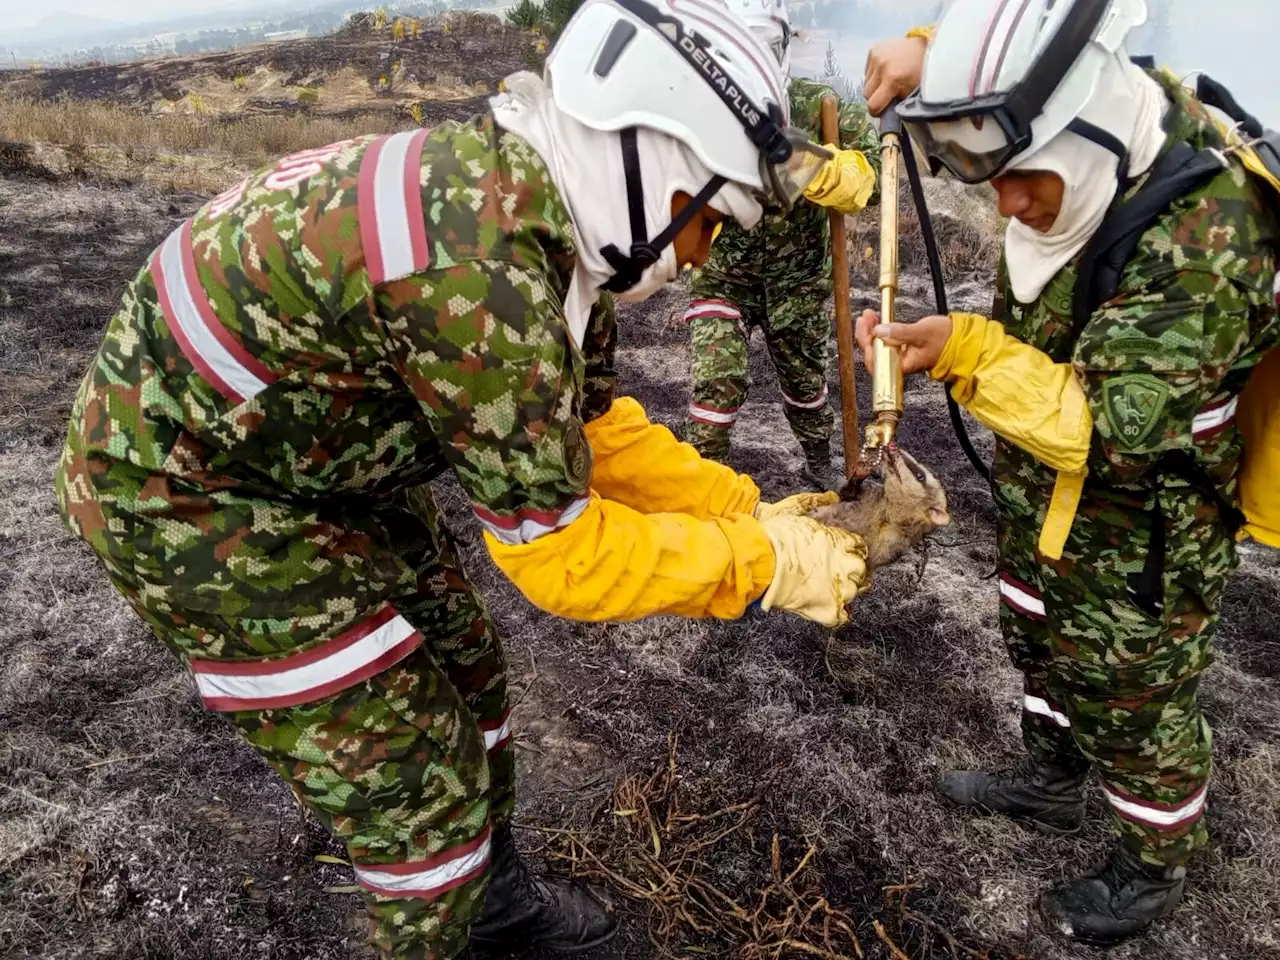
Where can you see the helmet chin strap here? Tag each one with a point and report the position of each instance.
(628, 268)
(1106, 140)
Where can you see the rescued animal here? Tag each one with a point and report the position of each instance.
(893, 517)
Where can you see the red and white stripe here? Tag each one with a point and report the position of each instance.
(393, 230)
(525, 526)
(497, 733)
(716, 309)
(1214, 418)
(1042, 708)
(209, 346)
(815, 404)
(427, 879)
(321, 671)
(1021, 597)
(997, 38)
(713, 415)
(712, 308)
(1162, 816)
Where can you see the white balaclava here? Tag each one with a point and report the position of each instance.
(587, 168)
(1131, 106)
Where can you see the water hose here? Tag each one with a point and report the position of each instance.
(939, 291)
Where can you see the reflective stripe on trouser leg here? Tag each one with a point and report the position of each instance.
(1046, 731)
(718, 361)
(396, 768)
(1129, 681)
(798, 335)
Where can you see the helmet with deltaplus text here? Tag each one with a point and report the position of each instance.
(772, 23)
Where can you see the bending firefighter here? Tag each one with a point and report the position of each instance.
(249, 452)
(1118, 455)
(777, 277)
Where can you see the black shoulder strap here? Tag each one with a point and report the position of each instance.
(1179, 170)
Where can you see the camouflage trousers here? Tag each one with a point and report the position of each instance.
(412, 766)
(797, 332)
(1112, 643)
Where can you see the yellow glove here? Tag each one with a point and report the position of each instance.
(818, 570)
(796, 505)
(1019, 393)
(643, 465)
(613, 563)
(845, 182)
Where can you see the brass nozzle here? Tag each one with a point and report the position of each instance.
(887, 380)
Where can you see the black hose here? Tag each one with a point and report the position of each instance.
(939, 293)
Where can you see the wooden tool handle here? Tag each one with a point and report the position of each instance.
(846, 349)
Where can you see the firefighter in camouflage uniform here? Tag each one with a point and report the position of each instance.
(1113, 559)
(776, 277)
(249, 451)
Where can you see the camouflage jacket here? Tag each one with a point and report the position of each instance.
(785, 252)
(1162, 363)
(329, 332)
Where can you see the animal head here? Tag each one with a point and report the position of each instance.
(911, 491)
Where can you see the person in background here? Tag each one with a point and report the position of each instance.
(777, 277)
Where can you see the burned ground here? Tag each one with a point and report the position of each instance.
(133, 824)
(456, 58)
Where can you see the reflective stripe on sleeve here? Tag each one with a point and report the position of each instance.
(425, 879)
(393, 230)
(217, 356)
(711, 415)
(1021, 597)
(1041, 707)
(321, 671)
(497, 733)
(1214, 419)
(816, 404)
(1162, 816)
(525, 526)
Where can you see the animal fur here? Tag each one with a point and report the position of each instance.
(894, 517)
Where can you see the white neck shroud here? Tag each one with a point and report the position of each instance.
(586, 167)
(1128, 104)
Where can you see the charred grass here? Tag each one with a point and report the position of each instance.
(754, 789)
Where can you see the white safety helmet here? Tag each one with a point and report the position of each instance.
(692, 70)
(1002, 78)
(771, 22)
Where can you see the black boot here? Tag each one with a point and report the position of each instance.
(1050, 798)
(818, 469)
(1119, 900)
(522, 910)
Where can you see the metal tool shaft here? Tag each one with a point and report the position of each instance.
(887, 380)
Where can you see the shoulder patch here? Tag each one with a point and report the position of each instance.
(1133, 403)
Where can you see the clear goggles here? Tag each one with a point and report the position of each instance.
(973, 143)
(785, 181)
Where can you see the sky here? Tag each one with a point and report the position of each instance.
(23, 13)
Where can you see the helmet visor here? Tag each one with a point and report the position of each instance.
(785, 182)
(973, 148)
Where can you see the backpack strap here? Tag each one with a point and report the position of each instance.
(1178, 171)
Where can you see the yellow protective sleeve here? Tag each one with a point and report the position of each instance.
(1019, 393)
(642, 465)
(1259, 421)
(924, 33)
(844, 182)
(613, 563)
